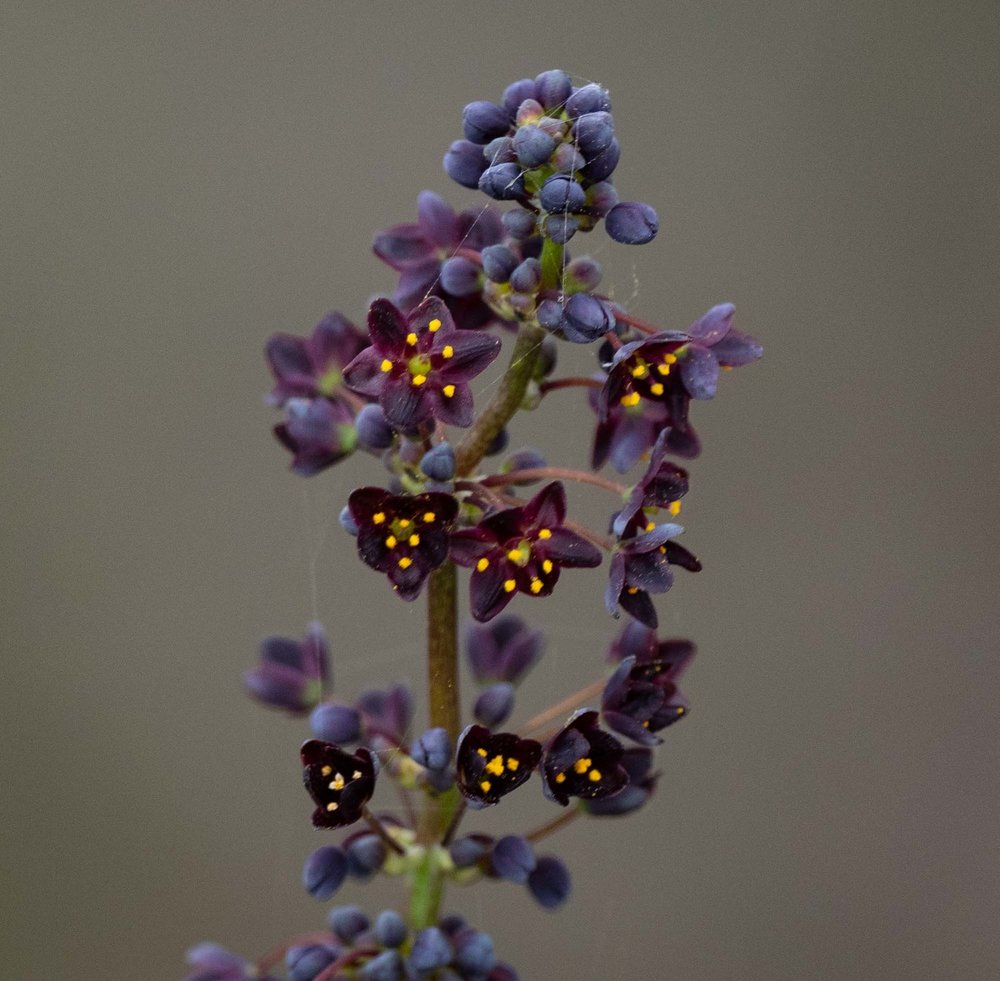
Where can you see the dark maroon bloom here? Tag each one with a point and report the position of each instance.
(582, 761)
(642, 643)
(640, 566)
(417, 250)
(673, 365)
(339, 783)
(419, 365)
(625, 432)
(491, 765)
(504, 651)
(312, 367)
(291, 673)
(404, 537)
(640, 700)
(319, 432)
(638, 761)
(661, 486)
(520, 549)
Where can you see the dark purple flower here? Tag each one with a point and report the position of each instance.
(582, 761)
(643, 644)
(626, 432)
(291, 673)
(640, 566)
(503, 651)
(319, 433)
(491, 765)
(387, 713)
(419, 366)
(313, 367)
(640, 700)
(638, 761)
(520, 549)
(662, 485)
(339, 783)
(417, 250)
(404, 537)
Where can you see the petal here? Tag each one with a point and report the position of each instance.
(631, 728)
(289, 358)
(478, 228)
(402, 245)
(616, 583)
(365, 375)
(387, 327)
(737, 349)
(679, 555)
(714, 325)
(335, 340)
(469, 545)
(547, 509)
(471, 354)
(487, 596)
(436, 219)
(455, 409)
(416, 282)
(567, 548)
(405, 405)
(366, 501)
(699, 372)
(430, 309)
(649, 573)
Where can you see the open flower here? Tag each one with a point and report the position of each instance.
(339, 783)
(520, 549)
(640, 700)
(662, 485)
(404, 537)
(491, 765)
(640, 566)
(419, 366)
(582, 761)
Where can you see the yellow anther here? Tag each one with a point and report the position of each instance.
(495, 766)
(514, 554)
(377, 519)
(448, 351)
(485, 785)
(656, 388)
(547, 566)
(419, 380)
(670, 358)
(640, 371)
(356, 775)
(726, 367)
(337, 783)
(481, 751)
(448, 391)
(632, 590)
(582, 764)
(630, 400)
(332, 806)
(536, 586)
(663, 369)
(680, 709)
(405, 562)
(411, 339)
(594, 776)
(544, 533)
(512, 764)
(391, 542)
(509, 585)
(434, 325)
(404, 522)
(326, 771)
(560, 778)
(482, 565)
(429, 516)
(675, 508)
(414, 540)
(386, 365)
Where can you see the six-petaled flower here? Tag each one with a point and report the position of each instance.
(419, 365)
(582, 760)
(491, 765)
(404, 537)
(520, 549)
(339, 783)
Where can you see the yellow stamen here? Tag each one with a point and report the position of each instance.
(650, 525)
(434, 325)
(337, 783)
(332, 806)
(594, 776)
(481, 751)
(582, 764)
(544, 533)
(680, 709)
(630, 400)
(391, 542)
(640, 371)
(356, 775)
(386, 365)
(448, 391)
(509, 585)
(377, 519)
(670, 358)
(405, 562)
(448, 351)
(675, 508)
(560, 778)
(429, 516)
(411, 339)
(485, 786)
(547, 566)
(536, 586)
(482, 565)
(512, 764)
(495, 766)
(632, 590)
(418, 380)
(663, 369)
(404, 522)
(726, 367)
(514, 554)
(414, 540)
(326, 771)
(656, 388)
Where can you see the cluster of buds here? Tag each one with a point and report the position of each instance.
(404, 391)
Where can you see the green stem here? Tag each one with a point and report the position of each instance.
(442, 649)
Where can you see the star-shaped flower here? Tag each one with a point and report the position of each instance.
(520, 549)
(491, 765)
(419, 365)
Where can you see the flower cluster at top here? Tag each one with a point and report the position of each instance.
(409, 389)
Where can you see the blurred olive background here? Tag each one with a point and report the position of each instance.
(182, 179)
